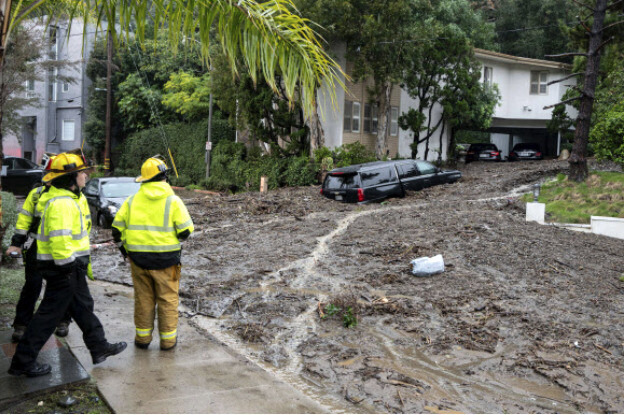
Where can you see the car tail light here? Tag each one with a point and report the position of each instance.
(495, 153)
(511, 154)
(360, 194)
(538, 154)
(321, 190)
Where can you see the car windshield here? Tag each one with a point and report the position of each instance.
(341, 182)
(483, 147)
(119, 189)
(526, 146)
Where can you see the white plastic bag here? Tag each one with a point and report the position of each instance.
(425, 266)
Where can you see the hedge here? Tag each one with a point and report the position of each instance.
(9, 218)
(186, 141)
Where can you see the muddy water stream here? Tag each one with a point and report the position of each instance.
(525, 318)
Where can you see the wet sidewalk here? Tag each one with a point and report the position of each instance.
(65, 370)
(198, 376)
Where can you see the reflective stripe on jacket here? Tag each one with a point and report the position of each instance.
(63, 233)
(151, 220)
(28, 212)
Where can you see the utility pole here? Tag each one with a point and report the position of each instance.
(107, 122)
(209, 144)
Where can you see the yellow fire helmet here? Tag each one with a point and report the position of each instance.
(153, 166)
(65, 163)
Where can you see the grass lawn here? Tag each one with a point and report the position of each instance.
(88, 398)
(11, 281)
(602, 194)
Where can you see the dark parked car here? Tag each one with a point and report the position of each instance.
(379, 180)
(105, 195)
(525, 151)
(483, 152)
(20, 175)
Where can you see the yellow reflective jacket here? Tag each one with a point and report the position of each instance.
(27, 214)
(63, 233)
(151, 220)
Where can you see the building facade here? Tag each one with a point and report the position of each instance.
(56, 125)
(518, 117)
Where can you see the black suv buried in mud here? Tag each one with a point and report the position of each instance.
(369, 182)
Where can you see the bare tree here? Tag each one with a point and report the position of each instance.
(578, 161)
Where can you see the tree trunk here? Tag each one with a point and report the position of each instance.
(578, 162)
(452, 154)
(317, 132)
(383, 120)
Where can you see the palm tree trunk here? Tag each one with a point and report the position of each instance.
(317, 138)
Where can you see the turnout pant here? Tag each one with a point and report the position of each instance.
(64, 292)
(156, 288)
(31, 290)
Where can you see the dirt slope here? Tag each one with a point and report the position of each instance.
(525, 318)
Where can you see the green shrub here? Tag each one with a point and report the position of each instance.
(186, 141)
(300, 172)
(321, 153)
(607, 136)
(9, 218)
(354, 153)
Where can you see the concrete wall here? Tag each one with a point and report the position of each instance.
(613, 227)
(331, 115)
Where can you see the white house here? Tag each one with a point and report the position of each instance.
(519, 116)
(57, 124)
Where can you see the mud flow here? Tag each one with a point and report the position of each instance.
(525, 318)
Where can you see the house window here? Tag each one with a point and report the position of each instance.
(30, 88)
(68, 130)
(66, 86)
(394, 121)
(375, 118)
(370, 118)
(347, 116)
(367, 118)
(538, 83)
(54, 49)
(488, 76)
(52, 84)
(356, 117)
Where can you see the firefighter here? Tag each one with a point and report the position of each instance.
(148, 229)
(63, 261)
(24, 242)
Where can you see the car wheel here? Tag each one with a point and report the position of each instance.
(102, 222)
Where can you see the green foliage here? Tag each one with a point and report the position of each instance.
(602, 194)
(354, 153)
(349, 319)
(187, 143)
(607, 135)
(330, 310)
(327, 164)
(321, 153)
(444, 72)
(345, 155)
(188, 95)
(140, 106)
(9, 218)
(264, 112)
(300, 172)
(234, 168)
(607, 131)
(546, 18)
